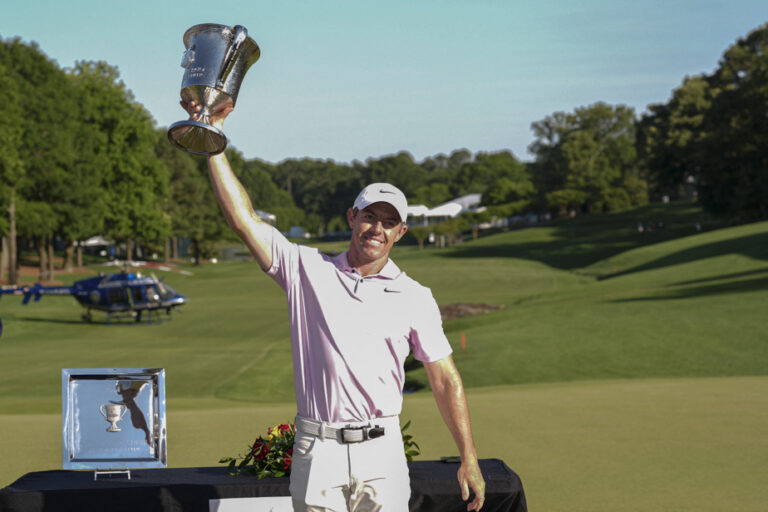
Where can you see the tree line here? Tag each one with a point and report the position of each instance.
(80, 156)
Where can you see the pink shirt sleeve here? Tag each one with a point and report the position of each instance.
(427, 338)
(285, 260)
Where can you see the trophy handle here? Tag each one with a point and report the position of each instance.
(125, 410)
(241, 34)
(102, 411)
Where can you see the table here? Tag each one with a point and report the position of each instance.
(433, 489)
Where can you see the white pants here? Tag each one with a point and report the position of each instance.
(327, 475)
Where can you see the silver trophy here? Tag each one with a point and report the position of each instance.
(113, 413)
(215, 62)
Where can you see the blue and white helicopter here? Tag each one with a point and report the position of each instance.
(120, 295)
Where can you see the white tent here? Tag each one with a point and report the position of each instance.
(445, 210)
(96, 241)
(417, 210)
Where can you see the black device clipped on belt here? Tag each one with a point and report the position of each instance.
(375, 432)
(366, 433)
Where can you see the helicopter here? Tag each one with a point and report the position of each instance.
(120, 295)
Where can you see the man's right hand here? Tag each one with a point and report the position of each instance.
(217, 116)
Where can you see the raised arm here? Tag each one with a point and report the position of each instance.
(234, 201)
(452, 402)
(238, 210)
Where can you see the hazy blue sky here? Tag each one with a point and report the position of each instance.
(355, 79)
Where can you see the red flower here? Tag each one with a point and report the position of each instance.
(269, 455)
(260, 449)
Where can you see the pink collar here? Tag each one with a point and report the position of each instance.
(390, 270)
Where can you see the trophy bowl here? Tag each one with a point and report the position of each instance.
(215, 62)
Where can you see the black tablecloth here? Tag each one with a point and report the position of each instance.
(433, 488)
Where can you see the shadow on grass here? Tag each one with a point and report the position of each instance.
(50, 320)
(747, 285)
(582, 241)
(83, 322)
(755, 246)
(722, 277)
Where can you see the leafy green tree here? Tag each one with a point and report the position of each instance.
(733, 161)
(505, 190)
(37, 221)
(420, 233)
(499, 177)
(636, 189)
(510, 209)
(134, 180)
(669, 137)
(260, 180)
(47, 147)
(550, 170)
(400, 170)
(565, 200)
(451, 229)
(321, 189)
(591, 150)
(190, 204)
(338, 223)
(11, 164)
(431, 195)
(459, 157)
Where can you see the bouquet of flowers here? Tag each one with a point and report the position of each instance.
(270, 457)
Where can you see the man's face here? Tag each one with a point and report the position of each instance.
(375, 230)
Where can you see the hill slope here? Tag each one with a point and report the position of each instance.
(603, 301)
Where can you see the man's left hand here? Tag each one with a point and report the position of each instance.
(470, 477)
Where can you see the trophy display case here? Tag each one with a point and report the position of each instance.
(113, 419)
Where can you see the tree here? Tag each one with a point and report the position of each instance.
(11, 165)
(400, 170)
(565, 200)
(134, 181)
(46, 147)
(420, 233)
(431, 195)
(480, 174)
(733, 157)
(450, 229)
(190, 204)
(669, 136)
(37, 221)
(590, 150)
(550, 169)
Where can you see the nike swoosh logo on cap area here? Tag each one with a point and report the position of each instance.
(390, 290)
(382, 191)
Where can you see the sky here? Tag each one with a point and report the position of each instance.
(350, 80)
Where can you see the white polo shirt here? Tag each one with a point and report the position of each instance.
(351, 334)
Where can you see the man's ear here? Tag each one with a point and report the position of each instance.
(400, 235)
(350, 218)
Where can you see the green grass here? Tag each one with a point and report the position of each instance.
(668, 445)
(605, 335)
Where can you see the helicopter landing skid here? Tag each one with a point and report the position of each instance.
(137, 317)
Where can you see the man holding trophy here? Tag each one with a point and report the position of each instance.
(354, 319)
